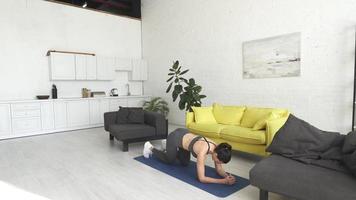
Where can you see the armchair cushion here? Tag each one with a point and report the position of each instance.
(131, 131)
(136, 116)
(130, 115)
(121, 117)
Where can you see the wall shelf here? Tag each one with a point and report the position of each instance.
(69, 52)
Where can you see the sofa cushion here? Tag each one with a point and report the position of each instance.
(350, 162)
(243, 135)
(252, 115)
(121, 117)
(230, 115)
(261, 124)
(136, 116)
(204, 115)
(349, 143)
(130, 115)
(131, 131)
(208, 130)
(301, 181)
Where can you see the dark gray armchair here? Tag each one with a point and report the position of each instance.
(155, 127)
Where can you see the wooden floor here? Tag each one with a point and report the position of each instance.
(85, 165)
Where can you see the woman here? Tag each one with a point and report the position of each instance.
(180, 144)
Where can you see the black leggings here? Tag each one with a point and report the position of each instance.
(174, 149)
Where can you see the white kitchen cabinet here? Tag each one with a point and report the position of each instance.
(85, 67)
(123, 64)
(62, 66)
(77, 113)
(47, 115)
(26, 117)
(5, 122)
(60, 114)
(139, 70)
(80, 67)
(94, 109)
(115, 104)
(91, 67)
(97, 109)
(105, 68)
(26, 125)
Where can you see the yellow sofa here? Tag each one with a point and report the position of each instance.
(247, 129)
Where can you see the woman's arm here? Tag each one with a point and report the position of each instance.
(201, 172)
(220, 170)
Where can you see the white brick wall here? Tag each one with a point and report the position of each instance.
(207, 35)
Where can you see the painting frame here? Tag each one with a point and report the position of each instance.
(272, 57)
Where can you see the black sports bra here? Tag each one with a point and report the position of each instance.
(194, 140)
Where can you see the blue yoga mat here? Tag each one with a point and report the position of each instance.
(188, 175)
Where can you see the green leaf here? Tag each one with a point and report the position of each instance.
(178, 88)
(172, 70)
(169, 87)
(191, 81)
(170, 74)
(178, 70)
(183, 72)
(198, 89)
(202, 96)
(176, 80)
(175, 65)
(175, 95)
(181, 104)
(170, 78)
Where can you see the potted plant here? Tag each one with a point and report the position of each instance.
(156, 104)
(186, 89)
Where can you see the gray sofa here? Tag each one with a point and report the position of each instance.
(155, 127)
(301, 181)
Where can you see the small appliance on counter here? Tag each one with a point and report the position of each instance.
(41, 97)
(98, 94)
(114, 92)
(86, 93)
(54, 92)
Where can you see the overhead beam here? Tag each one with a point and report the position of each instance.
(113, 4)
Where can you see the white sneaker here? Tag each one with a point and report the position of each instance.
(147, 149)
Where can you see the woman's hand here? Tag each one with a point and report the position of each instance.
(230, 180)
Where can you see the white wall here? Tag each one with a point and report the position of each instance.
(28, 28)
(207, 35)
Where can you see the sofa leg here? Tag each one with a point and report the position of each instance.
(263, 194)
(111, 137)
(125, 146)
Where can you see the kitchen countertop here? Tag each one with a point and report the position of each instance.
(71, 98)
